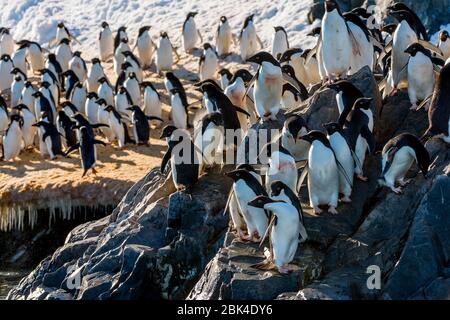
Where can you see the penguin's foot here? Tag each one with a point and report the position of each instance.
(332, 210)
(403, 182)
(317, 210)
(94, 172)
(283, 269)
(345, 199)
(362, 178)
(397, 190)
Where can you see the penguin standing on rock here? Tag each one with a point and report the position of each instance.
(190, 33)
(185, 168)
(294, 127)
(399, 154)
(284, 229)
(210, 138)
(280, 42)
(439, 111)
(245, 188)
(164, 56)
(12, 139)
(49, 135)
(323, 174)
(223, 37)
(106, 42)
(346, 95)
(145, 46)
(88, 152)
(237, 93)
(248, 39)
(141, 129)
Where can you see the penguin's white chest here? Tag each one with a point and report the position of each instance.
(236, 92)
(92, 110)
(249, 42)
(179, 115)
(282, 167)
(209, 66)
(402, 161)
(164, 57)
(12, 142)
(6, 77)
(420, 77)
(268, 88)
(403, 37)
(223, 41)
(106, 44)
(152, 104)
(145, 48)
(279, 44)
(190, 35)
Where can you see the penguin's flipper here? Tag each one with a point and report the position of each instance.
(52, 41)
(239, 109)
(269, 227)
(424, 102)
(166, 158)
(230, 196)
(71, 149)
(99, 142)
(302, 177)
(342, 170)
(356, 159)
(154, 118)
(368, 135)
(259, 42)
(127, 135)
(250, 83)
(96, 125)
(438, 61)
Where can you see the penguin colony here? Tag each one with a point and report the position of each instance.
(75, 106)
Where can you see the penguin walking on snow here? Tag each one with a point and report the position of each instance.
(343, 154)
(190, 33)
(141, 128)
(6, 42)
(95, 73)
(399, 154)
(152, 102)
(105, 42)
(323, 174)
(88, 151)
(78, 65)
(248, 39)
(280, 42)
(49, 135)
(6, 65)
(208, 63)
(145, 46)
(245, 188)
(439, 111)
(12, 139)
(164, 56)
(284, 230)
(224, 37)
(346, 95)
(185, 170)
(280, 191)
(64, 54)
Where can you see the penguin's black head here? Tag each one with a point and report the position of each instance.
(331, 127)
(122, 90)
(167, 131)
(4, 30)
(261, 57)
(276, 187)
(77, 53)
(125, 65)
(238, 174)
(121, 29)
(398, 6)
(289, 70)
(126, 53)
(79, 85)
(17, 118)
(163, 34)
(279, 28)
(5, 57)
(41, 123)
(363, 103)
(401, 15)
(192, 14)
(247, 167)
(244, 74)
(362, 12)
(28, 84)
(443, 35)
(45, 84)
(169, 75)
(286, 56)
(21, 106)
(79, 118)
(133, 108)
(95, 60)
(294, 124)
(105, 24)
(260, 201)
(37, 94)
(389, 28)
(51, 57)
(143, 29)
(84, 131)
(331, 5)
(102, 80)
(208, 86)
(416, 47)
(315, 32)
(207, 46)
(61, 25)
(223, 19)
(92, 95)
(69, 73)
(16, 71)
(132, 75)
(314, 135)
(214, 117)
(340, 85)
(109, 108)
(17, 78)
(225, 72)
(101, 102)
(65, 41)
(124, 40)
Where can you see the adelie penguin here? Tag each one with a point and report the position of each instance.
(398, 155)
(27, 97)
(191, 35)
(209, 138)
(444, 44)
(294, 127)
(133, 88)
(6, 78)
(179, 110)
(343, 154)
(224, 37)
(105, 42)
(47, 92)
(28, 131)
(121, 34)
(323, 174)
(357, 129)
(12, 139)
(87, 149)
(78, 97)
(95, 73)
(141, 128)
(19, 57)
(346, 95)
(64, 53)
(284, 229)
(439, 111)
(248, 39)
(91, 107)
(16, 90)
(136, 65)
(184, 167)
(145, 46)
(122, 101)
(280, 42)
(164, 54)
(152, 102)
(42, 106)
(294, 83)
(208, 63)
(245, 188)
(51, 138)
(54, 66)
(6, 42)
(4, 115)
(65, 127)
(280, 191)
(119, 58)
(105, 91)
(420, 74)
(224, 77)
(78, 65)
(237, 93)
(103, 117)
(71, 79)
(118, 127)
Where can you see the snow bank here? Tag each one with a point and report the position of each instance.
(36, 20)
